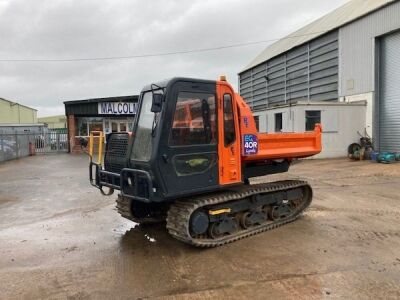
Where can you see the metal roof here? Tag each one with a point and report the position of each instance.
(12, 103)
(347, 13)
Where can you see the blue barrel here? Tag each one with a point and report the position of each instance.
(374, 155)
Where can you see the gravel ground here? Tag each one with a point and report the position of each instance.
(60, 239)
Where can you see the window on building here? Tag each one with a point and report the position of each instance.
(194, 120)
(229, 122)
(312, 117)
(257, 121)
(95, 126)
(82, 127)
(278, 122)
(88, 124)
(122, 126)
(114, 127)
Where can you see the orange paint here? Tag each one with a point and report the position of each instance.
(270, 145)
(278, 145)
(229, 161)
(287, 145)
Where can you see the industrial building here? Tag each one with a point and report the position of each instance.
(112, 114)
(15, 113)
(19, 130)
(54, 122)
(342, 70)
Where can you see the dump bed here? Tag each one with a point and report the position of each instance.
(286, 145)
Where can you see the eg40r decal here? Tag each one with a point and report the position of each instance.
(250, 144)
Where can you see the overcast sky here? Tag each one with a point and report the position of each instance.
(64, 29)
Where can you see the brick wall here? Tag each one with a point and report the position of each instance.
(71, 135)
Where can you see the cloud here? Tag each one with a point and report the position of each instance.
(89, 28)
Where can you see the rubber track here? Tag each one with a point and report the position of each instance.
(180, 212)
(124, 209)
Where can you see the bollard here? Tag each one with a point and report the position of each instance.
(32, 150)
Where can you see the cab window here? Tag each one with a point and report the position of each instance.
(229, 122)
(194, 120)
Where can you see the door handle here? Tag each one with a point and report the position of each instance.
(165, 157)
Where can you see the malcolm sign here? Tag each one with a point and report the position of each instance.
(117, 108)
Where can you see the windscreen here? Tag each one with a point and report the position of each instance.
(142, 145)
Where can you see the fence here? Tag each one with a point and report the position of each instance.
(16, 145)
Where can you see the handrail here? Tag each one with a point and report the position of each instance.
(91, 143)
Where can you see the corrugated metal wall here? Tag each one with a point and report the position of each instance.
(389, 99)
(307, 72)
(357, 49)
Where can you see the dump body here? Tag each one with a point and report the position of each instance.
(288, 145)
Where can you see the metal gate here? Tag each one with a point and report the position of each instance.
(389, 99)
(51, 141)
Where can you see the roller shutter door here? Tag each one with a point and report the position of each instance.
(389, 100)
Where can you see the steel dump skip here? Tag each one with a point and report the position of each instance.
(287, 145)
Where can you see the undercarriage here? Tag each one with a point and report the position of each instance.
(223, 217)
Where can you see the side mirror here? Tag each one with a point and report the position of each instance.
(156, 103)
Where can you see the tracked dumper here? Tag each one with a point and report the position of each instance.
(194, 148)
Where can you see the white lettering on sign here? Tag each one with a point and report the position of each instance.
(117, 108)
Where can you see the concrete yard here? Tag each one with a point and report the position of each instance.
(60, 239)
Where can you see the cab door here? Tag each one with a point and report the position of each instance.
(229, 138)
(188, 150)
